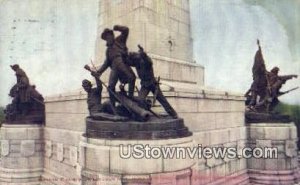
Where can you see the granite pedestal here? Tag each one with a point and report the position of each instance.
(280, 170)
(102, 162)
(21, 159)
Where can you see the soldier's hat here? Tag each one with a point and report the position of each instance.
(15, 66)
(275, 69)
(106, 32)
(86, 82)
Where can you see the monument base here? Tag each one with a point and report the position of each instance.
(257, 117)
(215, 118)
(21, 154)
(282, 169)
(155, 128)
(106, 161)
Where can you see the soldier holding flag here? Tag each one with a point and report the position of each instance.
(265, 84)
(260, 82)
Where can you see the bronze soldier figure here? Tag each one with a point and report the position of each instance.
(27, 104)
(22, 86)
(277, 81)
(94, 95)
(144, 67)
(127, 108)
(266, 85)
(116, 56)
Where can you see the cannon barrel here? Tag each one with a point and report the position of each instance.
(133, 106)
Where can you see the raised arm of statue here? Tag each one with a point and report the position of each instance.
(124, 33)
(287, 77)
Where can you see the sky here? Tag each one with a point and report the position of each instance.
(52, 40)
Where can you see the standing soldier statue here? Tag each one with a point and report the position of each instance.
(276, 83)
(260, 84)
(116, 56)
(144, 67)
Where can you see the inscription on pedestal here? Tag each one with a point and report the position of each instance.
(290, 148)
(48, 148)
(73, 155)
(27, 147)
(4, 147)
(60, 151)
(78, 168)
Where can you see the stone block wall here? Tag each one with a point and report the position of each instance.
(61, 156)
(102, 160)
(65, 124)
(216, 120)
(280, 170)
(177, 70)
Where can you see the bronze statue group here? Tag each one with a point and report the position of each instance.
(28, 104)
(265, 88)
(123, 104)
